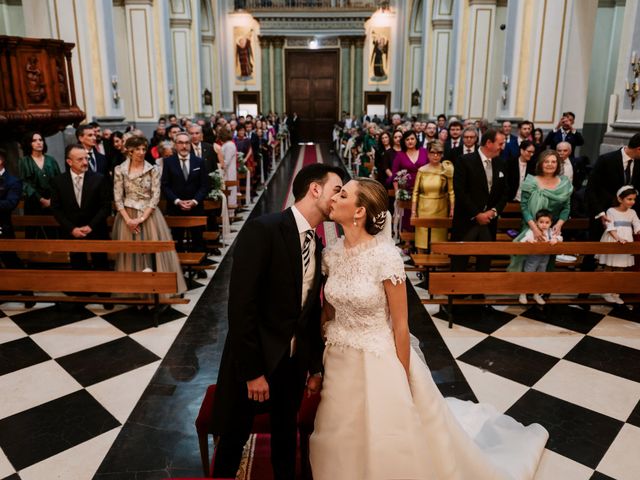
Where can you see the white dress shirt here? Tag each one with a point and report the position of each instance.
(567, 169)
(522, 166)
(74, 177)
(307, 277)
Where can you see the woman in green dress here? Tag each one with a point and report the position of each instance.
(547, 189)
(36, 171)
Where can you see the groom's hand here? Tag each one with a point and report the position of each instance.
(258, 389)
(314, 385)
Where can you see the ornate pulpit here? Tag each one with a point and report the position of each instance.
(36, 87)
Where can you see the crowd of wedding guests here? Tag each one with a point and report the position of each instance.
(468, 170)
(125, 174)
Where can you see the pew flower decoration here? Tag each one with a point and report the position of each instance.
(216, 184)
(242, 167)
(403, 177)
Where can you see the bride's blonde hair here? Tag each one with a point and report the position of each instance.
(373, 197)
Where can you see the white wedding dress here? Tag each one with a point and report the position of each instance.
(371, 423)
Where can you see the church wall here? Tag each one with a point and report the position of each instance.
(11, 18)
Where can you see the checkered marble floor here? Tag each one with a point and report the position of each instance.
(575, 372)
(70, 376)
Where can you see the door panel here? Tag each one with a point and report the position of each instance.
(312, 92)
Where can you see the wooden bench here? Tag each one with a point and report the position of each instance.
(454, 284)
(87, 281)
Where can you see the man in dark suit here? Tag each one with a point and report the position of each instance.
(203, 149)
(86, 135)
(184, 183)
(10, 194)
(512, 149)
(480, 183)
(564, 132)
(469, 144)
(80, 201)
(455, 139)
(511, 141)
(292, 125)
(274, 341)
(611, 171)
(519, 167)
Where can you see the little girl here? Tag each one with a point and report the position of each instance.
(622, 223)
(538, 263)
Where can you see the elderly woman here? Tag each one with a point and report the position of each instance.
(136, 192)
(549, 190)
(433, 195)
(36, 169)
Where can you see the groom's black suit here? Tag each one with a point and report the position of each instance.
(265, 312)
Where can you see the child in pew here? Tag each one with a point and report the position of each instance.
(622, 222)
(538, 263)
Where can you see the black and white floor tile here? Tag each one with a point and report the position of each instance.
(575, 372)
(71, 376)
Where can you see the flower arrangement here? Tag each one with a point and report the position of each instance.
(242, 167)
(403, 177)
(216, 184)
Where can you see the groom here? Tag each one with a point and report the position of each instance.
(274, 344)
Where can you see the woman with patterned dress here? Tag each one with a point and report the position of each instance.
(36, 169)
(381, 415)
(136, 192)
(549, 190)
(433, 195)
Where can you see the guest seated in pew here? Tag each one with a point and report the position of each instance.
(81, 202)
(549, 190)
(433, 195)
(184, 183)
(10, 193)
(136, 192)
(36, 171)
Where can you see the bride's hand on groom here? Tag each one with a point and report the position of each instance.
(314, 385)
(258, 389)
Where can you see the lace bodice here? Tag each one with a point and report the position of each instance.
(355, 289)
(139, 191)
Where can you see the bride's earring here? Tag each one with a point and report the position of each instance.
(355, 223)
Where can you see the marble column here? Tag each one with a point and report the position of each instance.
(265, 87)
(345, 78)
(442, 49)
(624, 119)
(357, 78)
(278, 68)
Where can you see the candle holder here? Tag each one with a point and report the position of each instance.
(632, 88)
(505, 90)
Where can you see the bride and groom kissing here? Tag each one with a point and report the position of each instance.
(381, 415)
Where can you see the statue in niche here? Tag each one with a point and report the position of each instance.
(244, 53)
(379, 62)
(35, 82)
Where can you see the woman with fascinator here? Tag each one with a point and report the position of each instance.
(381, 415)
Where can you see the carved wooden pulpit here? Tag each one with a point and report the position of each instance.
(36, 87)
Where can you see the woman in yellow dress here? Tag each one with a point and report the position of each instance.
(433, 195)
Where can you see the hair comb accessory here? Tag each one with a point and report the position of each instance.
(624, 188)
(379, 219)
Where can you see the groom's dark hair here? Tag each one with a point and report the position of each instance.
(316, 172)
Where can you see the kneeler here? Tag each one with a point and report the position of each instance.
(261, 425)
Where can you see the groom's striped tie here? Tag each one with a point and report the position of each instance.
(306, 254)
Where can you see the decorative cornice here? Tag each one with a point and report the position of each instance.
(415, 40)
(139, 2)
(287, 25)
(304, 41)
(208, 38)
(442, 23)
(277, 41)
(180, 23)
(264, 40)
(482, 2)
(502, 3)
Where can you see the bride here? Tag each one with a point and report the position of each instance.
(381, 415)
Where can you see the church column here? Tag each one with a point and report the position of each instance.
(278, 94)
(357, 78)
(624, 119)
(345, 79)
(442, 24)
(515, 41)
(181, 48)
(265, 88)
(481, 21)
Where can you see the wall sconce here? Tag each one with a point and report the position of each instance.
(450, 92)
(633, 88)
(171, 100)
(505, 89)
(415, 98)
(116, 94)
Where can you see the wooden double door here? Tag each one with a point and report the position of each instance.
(312, 92)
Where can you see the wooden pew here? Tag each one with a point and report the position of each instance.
(453, 284)
(88, 281)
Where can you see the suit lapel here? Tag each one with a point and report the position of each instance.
(481, 171)
(85, 188)
(292, 245)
